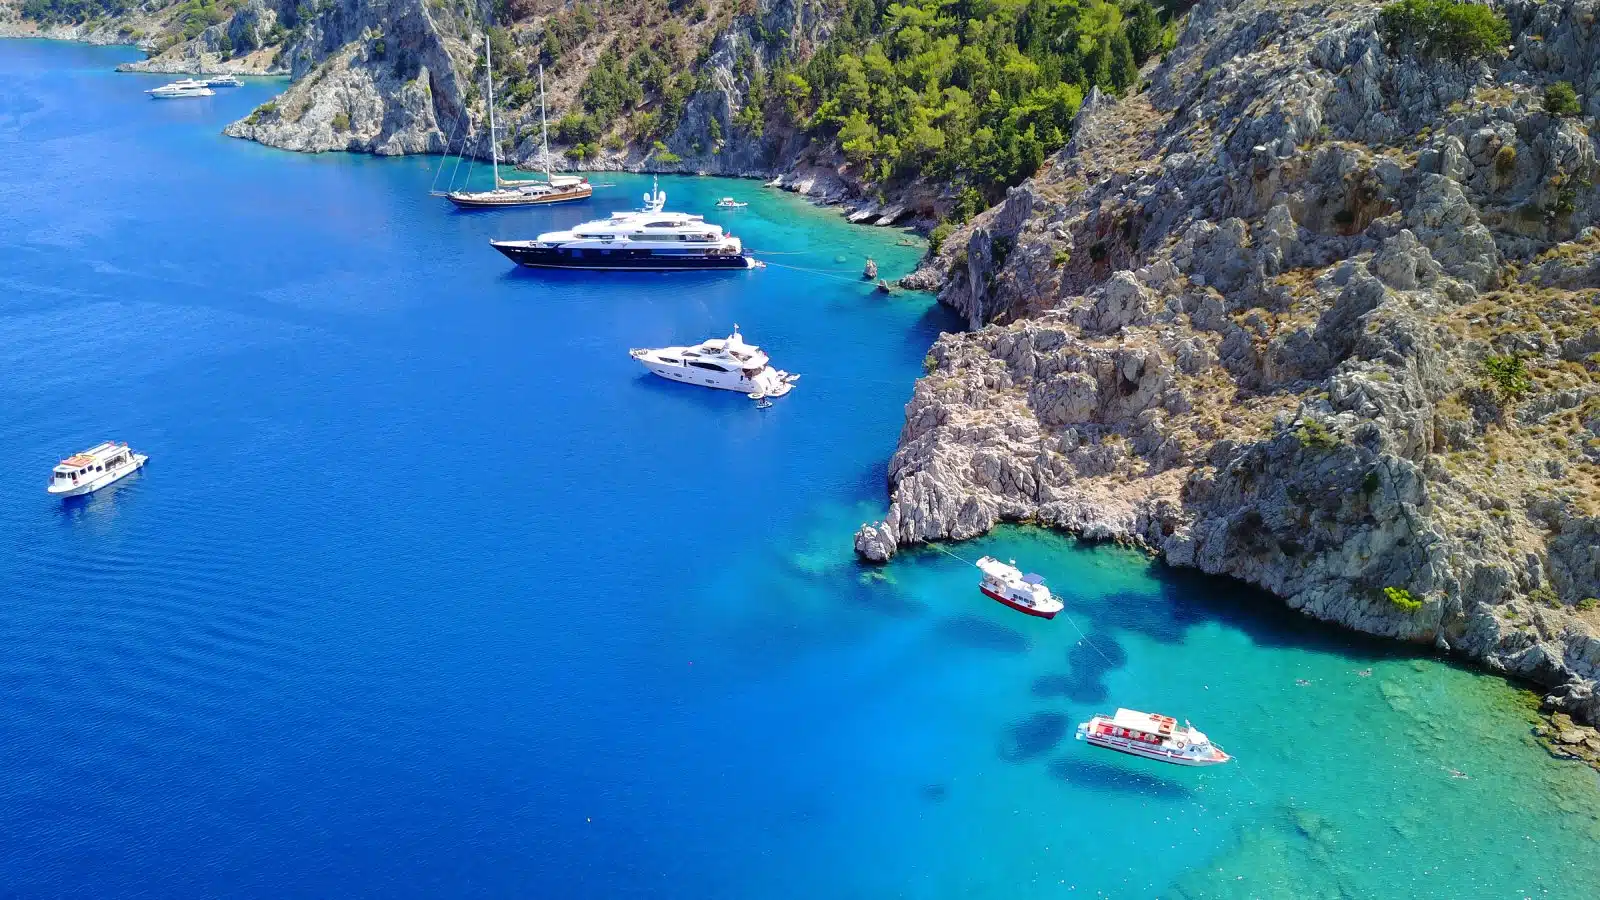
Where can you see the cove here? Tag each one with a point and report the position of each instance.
(429, 591)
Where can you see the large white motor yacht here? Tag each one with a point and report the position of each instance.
(94, 468)
(185, 87)
(647, 239)
(726, 363)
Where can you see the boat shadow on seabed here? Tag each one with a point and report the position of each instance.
(1106, 778)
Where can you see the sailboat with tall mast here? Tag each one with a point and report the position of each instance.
(530, 192)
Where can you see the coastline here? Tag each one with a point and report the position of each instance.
(1268, 359)
(356, 572)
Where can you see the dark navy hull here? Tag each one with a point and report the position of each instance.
(623, 260)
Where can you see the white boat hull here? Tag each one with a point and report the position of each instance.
(104, 479)
(1148, 751)
(723, 381)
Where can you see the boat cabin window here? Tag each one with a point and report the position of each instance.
(705, 365)
(661, 225)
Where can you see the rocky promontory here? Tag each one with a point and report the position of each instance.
(1317, 309)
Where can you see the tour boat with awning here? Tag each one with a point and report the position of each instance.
(1152, 736)
(94, 468)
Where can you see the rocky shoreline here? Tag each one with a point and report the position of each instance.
(386, 78)
(1314, 311)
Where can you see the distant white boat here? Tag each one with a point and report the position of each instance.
(224, 81)
(94, 468)
(730, 203)
(186, 87)
(728, 364)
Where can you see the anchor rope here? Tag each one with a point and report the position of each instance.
(820, 272)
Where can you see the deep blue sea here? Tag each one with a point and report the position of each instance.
(429, 592)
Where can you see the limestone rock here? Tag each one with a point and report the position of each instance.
(1232, 323)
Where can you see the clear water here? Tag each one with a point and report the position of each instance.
(429, 592)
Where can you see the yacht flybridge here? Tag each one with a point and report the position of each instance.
(94, 468)
(648, 239)
(525, 192)
(726, 363)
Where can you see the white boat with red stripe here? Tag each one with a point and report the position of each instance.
(1152, 736)
(1023, 593)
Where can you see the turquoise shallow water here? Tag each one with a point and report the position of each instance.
(428, 592)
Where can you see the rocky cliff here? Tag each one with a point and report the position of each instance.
(1317, 310)
(377, 76)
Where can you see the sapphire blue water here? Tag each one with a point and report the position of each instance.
(428, 591)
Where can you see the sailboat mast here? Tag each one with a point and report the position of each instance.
(494, 154)
(544, 124)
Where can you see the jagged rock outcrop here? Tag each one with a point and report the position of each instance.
(1307, 313)
(377, 76)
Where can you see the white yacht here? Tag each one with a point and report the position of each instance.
(224, 81)
(725, 363)
(730, 203)
(94, 468)
(648, 239)
(186, 87)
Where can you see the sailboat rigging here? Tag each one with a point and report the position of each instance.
(528, 192)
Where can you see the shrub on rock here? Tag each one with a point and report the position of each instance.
(1444, 29)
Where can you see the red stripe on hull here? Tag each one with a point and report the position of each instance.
(1133, 749)
(1015, 605)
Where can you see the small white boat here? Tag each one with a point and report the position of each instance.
(728, 364)
(1023, 593)
(94, 468)
(1152, 736)
(730, 203)
(186, 87)
(224, 81)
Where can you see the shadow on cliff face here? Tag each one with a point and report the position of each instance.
(1032, 737)
(921, 335)
(1112, 779)
(973, 632)
(1185, 598)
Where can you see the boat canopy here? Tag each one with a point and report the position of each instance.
(1031, 578)
(1148, 723)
